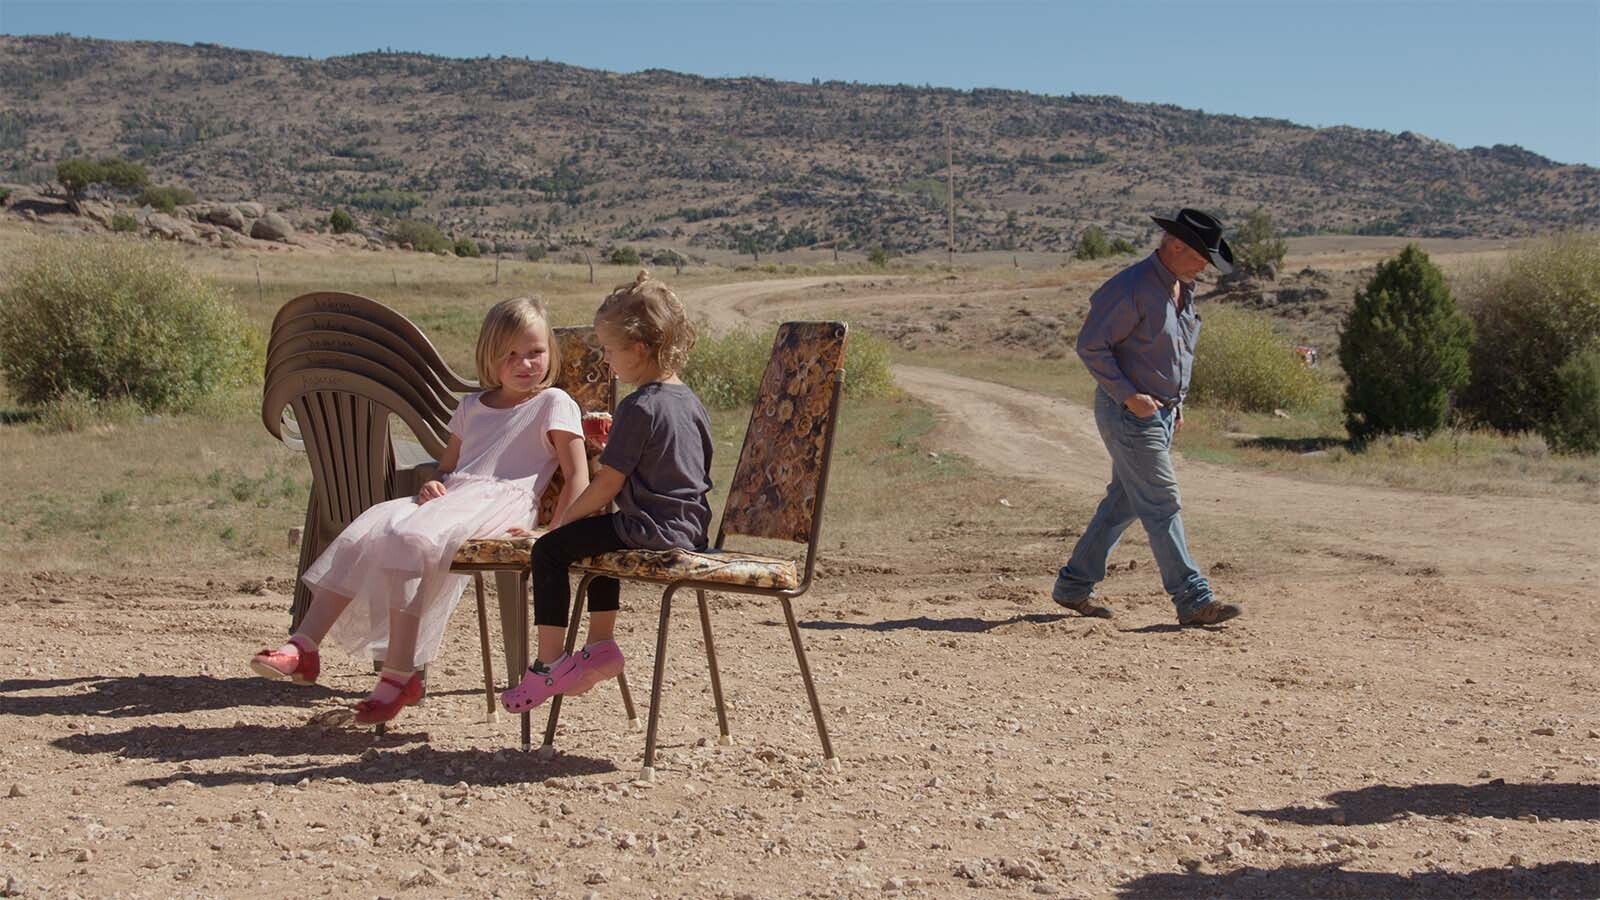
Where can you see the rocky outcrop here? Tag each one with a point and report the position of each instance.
(226, 215)
(168, 227)
(272, 227)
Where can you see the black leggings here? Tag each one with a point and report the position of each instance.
(554, 554)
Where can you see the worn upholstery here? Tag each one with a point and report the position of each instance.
(774, 488)
(714, 566)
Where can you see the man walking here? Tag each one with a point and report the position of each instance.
(1138, 341)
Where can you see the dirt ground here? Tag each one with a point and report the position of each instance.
(1405, 710)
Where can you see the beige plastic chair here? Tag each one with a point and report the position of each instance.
(777, 492)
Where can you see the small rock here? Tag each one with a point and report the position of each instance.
(894, 883)
(14, 885)
(1006, 503)
(83, 855)
(17, 790)
(1545, 731)
(424, 877)
(1235, 849)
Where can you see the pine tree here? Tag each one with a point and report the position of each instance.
(1404, 348)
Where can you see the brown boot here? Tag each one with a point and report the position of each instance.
(1086, 607)
(1214, 612)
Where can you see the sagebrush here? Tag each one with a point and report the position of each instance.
(113, 319)
(1241, 363)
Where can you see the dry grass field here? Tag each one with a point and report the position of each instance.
(1405, 709)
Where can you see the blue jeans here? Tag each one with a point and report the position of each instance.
(1144, 487)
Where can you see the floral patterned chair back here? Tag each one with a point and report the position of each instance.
(782, 468)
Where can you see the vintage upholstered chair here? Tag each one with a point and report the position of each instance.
(776, 492)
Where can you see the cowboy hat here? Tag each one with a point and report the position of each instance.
(1203, 234)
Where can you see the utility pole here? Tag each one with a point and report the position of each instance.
(950, 172)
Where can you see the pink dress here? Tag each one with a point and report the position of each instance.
(394, 559)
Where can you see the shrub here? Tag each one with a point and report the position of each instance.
(420, 235)
(1094, 244)
(1575, 428)
(624, 256)
(878, 257)
(1531, 318)
(166, 198)
(466, 247)
(340, 221)
(534, 252)
(1404, 348)
(725, 370)
(116, 320)
(1257, 249)
(1241, 363)
(78, 175)
(5, 194)
(124, 222)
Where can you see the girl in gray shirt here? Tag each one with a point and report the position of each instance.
(656, 467)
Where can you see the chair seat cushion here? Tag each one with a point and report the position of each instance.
(494, 553)
(716, 566)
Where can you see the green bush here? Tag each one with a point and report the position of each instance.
(535, 251)
(1257, 249)
(725, 370)
(1094, 244)
(124, 222)
(1404, 348)
(1531, 318)
(340, 221)
(111, 320)
(78, 175)
(1241, 363)
(624, 256)
(1575, 428)
(466, 247)
(5, 194)
(878, 256)
(420, 235)
(166, 198)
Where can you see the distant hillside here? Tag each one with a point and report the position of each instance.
(512, 150)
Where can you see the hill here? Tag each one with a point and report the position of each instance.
(512, 150)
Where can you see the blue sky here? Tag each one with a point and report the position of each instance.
(1468, 72)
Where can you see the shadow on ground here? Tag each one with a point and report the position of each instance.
(149, 695)
(366, 758)
(966, 624)
(1492, 799)
(1561, 879)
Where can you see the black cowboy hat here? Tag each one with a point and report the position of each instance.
(1203, 234)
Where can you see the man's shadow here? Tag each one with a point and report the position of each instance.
(1492, 799)
(1560, 879)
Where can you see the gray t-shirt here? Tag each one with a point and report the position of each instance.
(661, 442)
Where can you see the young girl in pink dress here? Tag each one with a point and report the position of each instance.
(383, 587)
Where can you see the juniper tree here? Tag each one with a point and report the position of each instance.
(1404, 348)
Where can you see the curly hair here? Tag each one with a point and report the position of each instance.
(649, 312)
(504, 322)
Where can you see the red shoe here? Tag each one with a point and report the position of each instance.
(301, 668)
(371, 712)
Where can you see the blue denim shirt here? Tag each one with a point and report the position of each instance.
(1136, 340)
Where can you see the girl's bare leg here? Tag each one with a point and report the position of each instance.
(602, 626)
(325, 609)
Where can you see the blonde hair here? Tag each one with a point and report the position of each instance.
(504, 322)
(649, 312)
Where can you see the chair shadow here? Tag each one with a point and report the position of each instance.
(180, 744)
(147, 695)
(963, 624)
(1560, 879)
(1492, 799)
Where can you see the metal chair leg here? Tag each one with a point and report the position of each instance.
(811, 689)
(491, 714)
(574, 619)
(724, 738)
(627, 701)
(649, 771)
